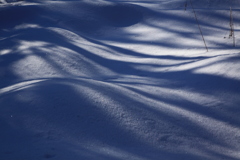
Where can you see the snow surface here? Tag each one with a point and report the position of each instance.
(119, 80)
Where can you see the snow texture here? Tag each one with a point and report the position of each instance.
(117, 80)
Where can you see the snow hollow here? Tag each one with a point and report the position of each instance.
(119, 80)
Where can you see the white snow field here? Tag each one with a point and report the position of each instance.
(119, 80)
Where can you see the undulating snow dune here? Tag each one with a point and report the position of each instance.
(117, 80)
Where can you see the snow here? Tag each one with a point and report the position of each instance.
(116, 80)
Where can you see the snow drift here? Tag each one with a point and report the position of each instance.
(118, 80)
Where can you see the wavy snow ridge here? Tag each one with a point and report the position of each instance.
(116, 80)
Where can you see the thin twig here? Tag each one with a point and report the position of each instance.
(199, 26)
(232, 27)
